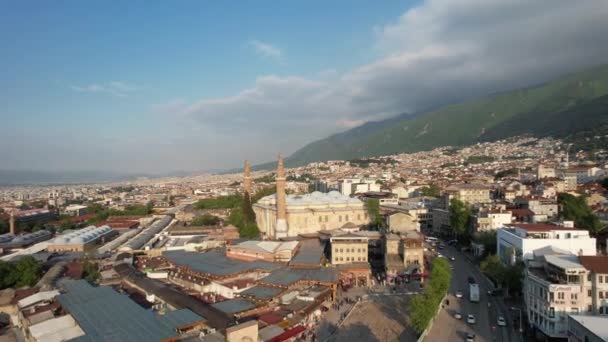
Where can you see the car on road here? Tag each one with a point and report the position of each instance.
(501, 322)
(439, 255)
(441, 246)
(470, 337)
(470, 319)
(458, 315)
(472, 280)
(459, 294)
(452, 258)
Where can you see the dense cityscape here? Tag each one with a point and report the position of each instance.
(304, 171)
(486, 240)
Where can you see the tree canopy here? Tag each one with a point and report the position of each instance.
(25, 272)
(431, 191)
(460, 216)
(206, 220)
(423, 306)
(576, 209)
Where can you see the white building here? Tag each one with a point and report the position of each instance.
(519, 240)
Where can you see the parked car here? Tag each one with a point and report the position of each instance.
(470, 337)
(452, 258)
(471, 319)
(501, 322)
(458, 315)
(459, 294)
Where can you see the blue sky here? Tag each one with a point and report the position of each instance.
(192, 85)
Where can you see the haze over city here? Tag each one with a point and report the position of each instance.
(195, 86)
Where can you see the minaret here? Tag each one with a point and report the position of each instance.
(12, 223)
(247, 178)
(281, 227)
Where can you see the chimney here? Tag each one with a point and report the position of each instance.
(12, 222)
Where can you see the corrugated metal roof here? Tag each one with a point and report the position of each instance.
(310, 253)
(106, 315)
(262, 292)
(216, 262)
(233, 306)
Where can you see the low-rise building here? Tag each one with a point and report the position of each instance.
(518, 241)
(348, 248)
(263, 250)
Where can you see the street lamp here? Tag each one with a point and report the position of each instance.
(518, 310)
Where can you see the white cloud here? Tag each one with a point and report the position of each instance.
(116, 88)
(438, 52)
(267, 50)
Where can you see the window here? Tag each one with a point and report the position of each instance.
(601, 293)
(341, 250)
(359, 217)
(551, 297)
(552, 312)
(561, 295)
(589, 293)
(574, 296)
(340, 218)
(346, 219)
(590, 308)
(600, 278)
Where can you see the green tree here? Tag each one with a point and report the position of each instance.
(91, 271)
(423, 306)
(247, 209)
(487, 239)
(206, 220)
(373, 209)
(29, 271)
(460, 216)
(576, 209)
(431, 191)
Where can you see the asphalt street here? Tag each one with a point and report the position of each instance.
(447, 328)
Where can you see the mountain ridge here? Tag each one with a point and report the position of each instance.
(485, 118)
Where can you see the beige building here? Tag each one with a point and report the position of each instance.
(402, 222)
(309, 213)
(348, 248)
(468, 193)
(413, 251)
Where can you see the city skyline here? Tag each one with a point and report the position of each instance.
(201, 87)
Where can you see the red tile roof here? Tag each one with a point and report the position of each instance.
(287, 334)
(597, 264)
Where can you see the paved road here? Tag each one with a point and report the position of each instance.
(448, 328)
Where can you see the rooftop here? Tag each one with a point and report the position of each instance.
(104, 315)
(596, 324)
(313, 198)
(233, 306)
(596, 264)
(216, 262)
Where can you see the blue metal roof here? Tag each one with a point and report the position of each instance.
(216, 262)
(309, 253)
(233, 306)
(262, 292)
(105, 315)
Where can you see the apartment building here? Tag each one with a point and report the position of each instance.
(559, 285)
(468, 193)
(518, 241)
(493, 219)
(348, 248)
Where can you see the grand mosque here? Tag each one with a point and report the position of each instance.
(281, 215)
